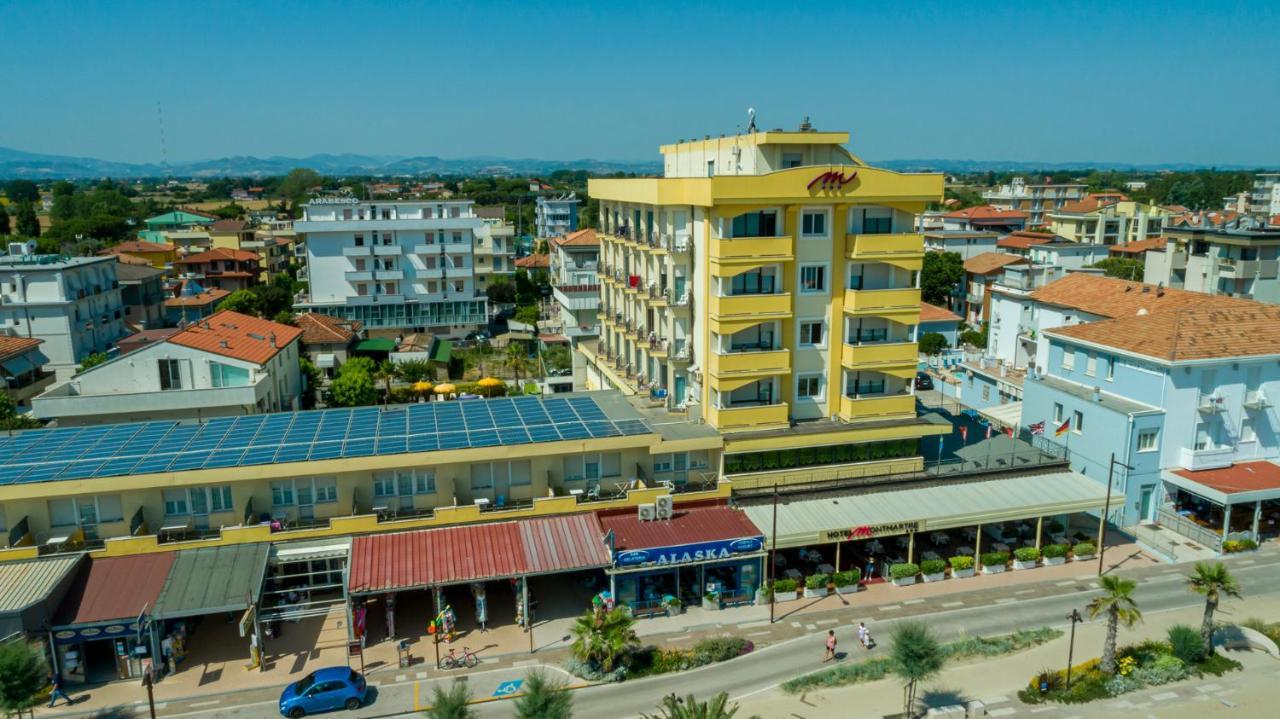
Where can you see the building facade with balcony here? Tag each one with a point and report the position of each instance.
(1035, 199)
(1231, 262)
(74, 304)
(495, 250)
(1264, 199)
(1108, 220)
(556, 216)
(393, 265)
(22, 369)
(222, 268)
(575, 282)
(766, 280)
(227, 364)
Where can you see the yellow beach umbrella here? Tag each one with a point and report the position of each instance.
(445, 388)
(422, 386)
(490, 382)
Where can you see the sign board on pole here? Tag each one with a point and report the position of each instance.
(246, 621)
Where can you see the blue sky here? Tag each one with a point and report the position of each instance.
(1045, 81)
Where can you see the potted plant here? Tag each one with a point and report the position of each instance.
(846, 582)
(784, 590)
(933, 570)
(994, 562)
(815, 586)
(1083, 550)
(711, 601)
(1231, 546)
(904, 575)
(1025, 557)
(961, 566)
(673, 606)
(1054, 554)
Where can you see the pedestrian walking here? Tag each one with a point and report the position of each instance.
(56, 692)
(831, 645)
(862, 635)
(871, 569)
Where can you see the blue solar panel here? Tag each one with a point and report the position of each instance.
(293, 453)
(325, 450)
(453, 440)
(573, 430)
(393, 445)
(259, 455)
(362, 447)
(424, 443)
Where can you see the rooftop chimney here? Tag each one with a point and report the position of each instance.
(805, 126)
(272, 338)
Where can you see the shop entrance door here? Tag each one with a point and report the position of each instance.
(691, 585)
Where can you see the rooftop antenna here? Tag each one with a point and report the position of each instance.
(164, 149)
(751, 119)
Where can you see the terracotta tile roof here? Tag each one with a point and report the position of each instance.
(238, 336)
(136, 270)
(1242, 477)
(493, 212)
(581, 238)
(1274, 221)
(1088, 204)
(142, 338)
(202, 299)
(989, 262)
(1139, 247)
(534, 261)
(1188, 334)
(1110, 297)
(229, 226)
(14, 346)
(218, 254)
(115, 588)
(934, 313)
(1024, 240)
(686, 526)
(986, 212)
(318, 329)
(124, 259)
(139, 246)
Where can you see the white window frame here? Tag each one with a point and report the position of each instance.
(821, 395)
(801, 340)
(1148, 440)
(1058, 412)
(1091, 364)
(1077, 422)
(1068, 359)
(1111, 368)
(826, 278)
(826, 224)
(577, 467)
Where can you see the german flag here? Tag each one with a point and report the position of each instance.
(1062, 429)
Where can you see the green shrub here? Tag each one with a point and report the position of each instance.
(1052, 551)
(720, 649)
(1084, 549)
(933, 566)
(846, 579)
(1256, 624)
(904, 570)
(1186, 644)
(1026, 554)
(784, 585)
(1231, 546)
(962, 561)
(1217, 665)
(995, 559)
(816, 581)
(1163, 669)
(841, 675)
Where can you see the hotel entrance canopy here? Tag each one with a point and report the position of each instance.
(946, 505)
(212, 580)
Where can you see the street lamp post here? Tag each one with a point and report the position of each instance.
(1075, 618)
(773, 556)
(1106, 510)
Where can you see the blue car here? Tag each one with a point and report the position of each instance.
(324, 690)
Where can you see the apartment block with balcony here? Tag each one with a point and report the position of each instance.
(767, 282)
(74, 304)
(575, 283)
(222, 268)
(393, 265)
(1035, 199)
(1108, 220)
(22, 372)
(556, 216)
(1264, 198)
(1224, 261)
(1181, 392)
(495, 248)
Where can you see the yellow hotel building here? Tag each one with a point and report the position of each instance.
(768, 284)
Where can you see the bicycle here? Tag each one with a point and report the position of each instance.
(453, 660)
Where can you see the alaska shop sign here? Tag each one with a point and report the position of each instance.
(687, 553)
(869, 531)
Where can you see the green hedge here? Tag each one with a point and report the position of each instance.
(1051, 551)
(820, 456)
(1084, 549)
(1026, 554)
(933, 566)
(846, 579)
(995, 558)
(904, 570)
(961, 561)
(816, 581)
(1231, 546)
(784, 585)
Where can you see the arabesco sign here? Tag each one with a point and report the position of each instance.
(869, 531)
(688, 553)
(831, 180)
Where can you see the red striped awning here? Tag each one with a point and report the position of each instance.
(476, 553)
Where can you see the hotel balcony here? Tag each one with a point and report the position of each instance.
(749, 417)
(750, 363)
(1247, 269)
(1209, 458)
(752, 250)
(862, 407)
(901, 304)
(875, 355)
(756, 307)
(361, 251)
(387, 250)
(389, 274)
(358, 276)
(906, 247)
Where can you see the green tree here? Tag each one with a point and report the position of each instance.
(603, 642)
(414, 371)
(243, 301)
(501, 290)
(5, 228)
(310, 382)
(93, 360)
(932, 343)
(272, 299)
(528, 314)
(11, 419)
(526, 291)
(674, 707)
(27, 224)
(451, 703)
(22, 191)
(285, 317)
(358, 364)
(1213, 581)
(298, 182)
(1116, 603)
(941, 274)
(353, 388)
(22, 676)
(518, 360)
(228, 212)
(916, 656)
(544, 698)
(386, 372)
(1121, 267)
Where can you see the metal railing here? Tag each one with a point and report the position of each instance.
(1189, 529)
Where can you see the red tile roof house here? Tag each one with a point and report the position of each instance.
(984, 217)
(222, 268)
(226, 364)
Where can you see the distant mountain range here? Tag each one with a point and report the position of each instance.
(18, 164)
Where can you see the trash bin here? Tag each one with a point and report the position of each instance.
(402, 650)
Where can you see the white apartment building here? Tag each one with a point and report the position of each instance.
(74, 304)
(1035, 199)
(556, 216)
(392, 264)
(495, 249)
(1265, 198)
(575, 259)
(1227, 261)
(227, 364)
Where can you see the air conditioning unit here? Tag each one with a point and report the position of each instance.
(665, 506)
(648, 512)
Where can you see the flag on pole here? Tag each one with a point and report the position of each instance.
(1037, 428)
(964, 434)
(988, 432)
(1009, 429)
(1062, 428)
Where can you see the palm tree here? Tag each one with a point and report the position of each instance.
(517, 359)
(386, 371)
(674, 707)
(1117, 603)
(604, 641)
(916, 656)
(544, 698)
(451, 703)
(1213, 581)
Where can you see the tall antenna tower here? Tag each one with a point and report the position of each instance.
(164, 148)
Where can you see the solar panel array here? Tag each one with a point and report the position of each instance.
(145, 447)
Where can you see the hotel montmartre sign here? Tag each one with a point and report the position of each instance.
(869, 531)
(832, 180)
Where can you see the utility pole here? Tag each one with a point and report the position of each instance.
(1075, 618)
(773, 557)
(1106, 510)
(148, 683)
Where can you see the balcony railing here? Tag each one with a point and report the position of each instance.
(1207, 458)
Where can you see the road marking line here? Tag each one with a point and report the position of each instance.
(401, 677)
(913, 601)
(1041, 710)
(1164, 696)
(1246, 561)
(1002, 712)
(796, 624)
(825, 622)
(1006, 600)
(759, 634)
(1209, 688)
(888, 607)
(421, 675)
(810, 627)
(1025, 591)
(1065, 584)
(948, 605)
(997, 699)
(209, 703)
